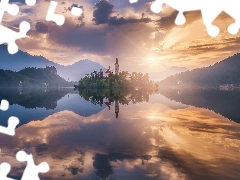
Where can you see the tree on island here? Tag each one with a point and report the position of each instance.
(121, 88)
(122, 80)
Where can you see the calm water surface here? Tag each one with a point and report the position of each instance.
(195, 135)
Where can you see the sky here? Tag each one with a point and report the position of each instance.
(142, 40)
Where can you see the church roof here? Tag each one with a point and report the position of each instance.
(108, 71)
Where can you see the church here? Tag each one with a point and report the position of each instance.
(108, 71)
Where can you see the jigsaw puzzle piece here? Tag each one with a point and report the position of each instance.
(210, 10)
(31, 171)
(12, 121)
(209, 15)
(4, 170)
(76, 11)
(12, 9)
(30, 2)
(233, 28)
(51, 16)
(180, 19)
(12, 124)
(156, 6)
(235, 14)
(133, 1)
(4, 105)
(9, 36)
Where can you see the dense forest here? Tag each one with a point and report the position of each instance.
(123, 80)
(224, 72)
(32, 77)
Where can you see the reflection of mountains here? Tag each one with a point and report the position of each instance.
(37, 98)
(37, 104)
(226, 103)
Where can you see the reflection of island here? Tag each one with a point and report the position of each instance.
(116, 97)
(33, 98)
(226, 103)
(117, 88)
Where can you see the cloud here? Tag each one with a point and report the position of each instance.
(81, 18)
(80, 25)
(41, 28)
(168, 22)
(131, 31)
(114, 21)
(102, 164)
(74, 5)
(102, 12)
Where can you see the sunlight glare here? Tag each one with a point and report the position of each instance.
(152, 58)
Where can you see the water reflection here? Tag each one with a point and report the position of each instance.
(158, 139)
(34, 98)
(226, 103)
(115, 96)
(37, 104)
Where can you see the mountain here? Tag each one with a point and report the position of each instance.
(33, 77)
(224, 72)
(22, 59)
(159, 76)
(78, 70)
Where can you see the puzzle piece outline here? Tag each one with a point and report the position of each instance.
(4, 105)
(12, 9)
(59, 19)
(32, 170)
(8, 35)
(4, 170)
(209, 9)
(12, 121)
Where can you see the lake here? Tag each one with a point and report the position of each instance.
(170, 135)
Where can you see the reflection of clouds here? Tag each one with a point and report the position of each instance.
(160, 99)
(188, 143)
(102, 164)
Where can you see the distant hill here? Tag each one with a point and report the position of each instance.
(78, 70)
(32, 77)
(224, 72)
(159, 76)
(22, 59)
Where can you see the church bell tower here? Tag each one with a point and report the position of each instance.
(116, 66)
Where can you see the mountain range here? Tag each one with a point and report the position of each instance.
(226, 71)
(22, 59)
(72, 72)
